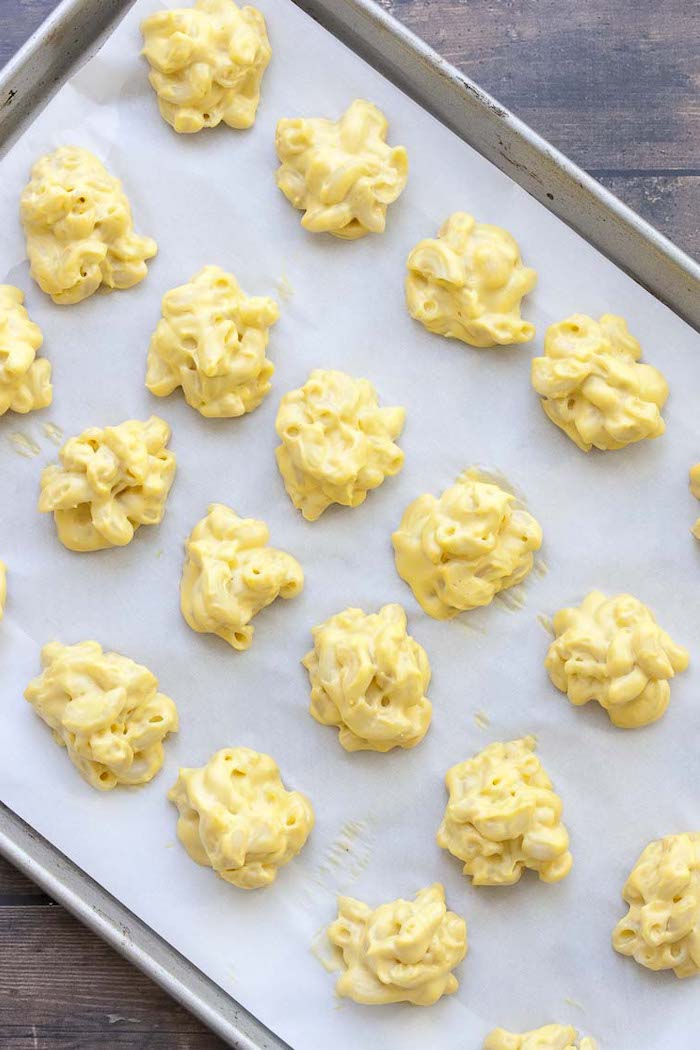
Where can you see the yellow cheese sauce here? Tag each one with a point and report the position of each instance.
(105, 710)
(612, 650)
(342, 174)
(662, 927)
(237, 817)
(25, 379)
(337, 444)
(211, 342)
(207, 63)
(78, 226)
(695, 489)
(457, 551)
(109, 483)
(503, 816)
(403, 951)
(468, 283)
(369, 678)
(551, 1037)
(593, 385)
(230, 574)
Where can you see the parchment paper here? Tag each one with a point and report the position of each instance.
(617, 521)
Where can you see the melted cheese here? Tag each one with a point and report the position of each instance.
(662, 927)
(230, 574)
(337, 443)
(105, 710)
(468, 284)
(404, 951)
(237, 817)
(207, 63)
(593, 386)
(25, 379)
(503, 816)
(551, 1037)
(369, 678)
(79, 230)
(211, 341)
(613, 651)
(695, 489)
(457, 551)
(109, 483)
(341, 174)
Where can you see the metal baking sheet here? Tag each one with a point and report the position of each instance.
(613, 229)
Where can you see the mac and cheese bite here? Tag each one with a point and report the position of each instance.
(695, 489)
(207, 63)
(403, 951)
(105, 710)
(550, 1037)
(503, 816)
(341, 174)
(237, 817)
(612, 650)
(211, 341)
(230, 574)
(593, 386)
(662, 927)
(78, 226)
(3, 588)
(369, 678)
(109, 483)
(469, 282)
(25, 379)
(457, 551)
(337, 443)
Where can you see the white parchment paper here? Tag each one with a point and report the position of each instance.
(617, 521)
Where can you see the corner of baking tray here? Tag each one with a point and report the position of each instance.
(544, 172)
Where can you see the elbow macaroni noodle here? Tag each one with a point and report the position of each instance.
(468, 284)
(551, 1037)
(207, 63)
(593, 386)
(230, 574)
(109, 483)
(79, 230)
(341, 174)
(613, 651)
(25, 379)
(458, 551)
(695, 489)
(369, 677)
(105, 710)
(503, 816)
(237, 817)
(662, 927)
(211, 341)
(337, 443)
(403, 951)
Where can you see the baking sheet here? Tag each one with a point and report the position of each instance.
(618, 521)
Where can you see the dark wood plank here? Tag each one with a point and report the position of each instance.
(18, 20)
(14, 885)
(671, 203)
(613, 84)
(60, 986)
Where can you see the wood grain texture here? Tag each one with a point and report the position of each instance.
(613, 83)
(61, 988)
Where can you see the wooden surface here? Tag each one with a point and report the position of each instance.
(612, 83)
